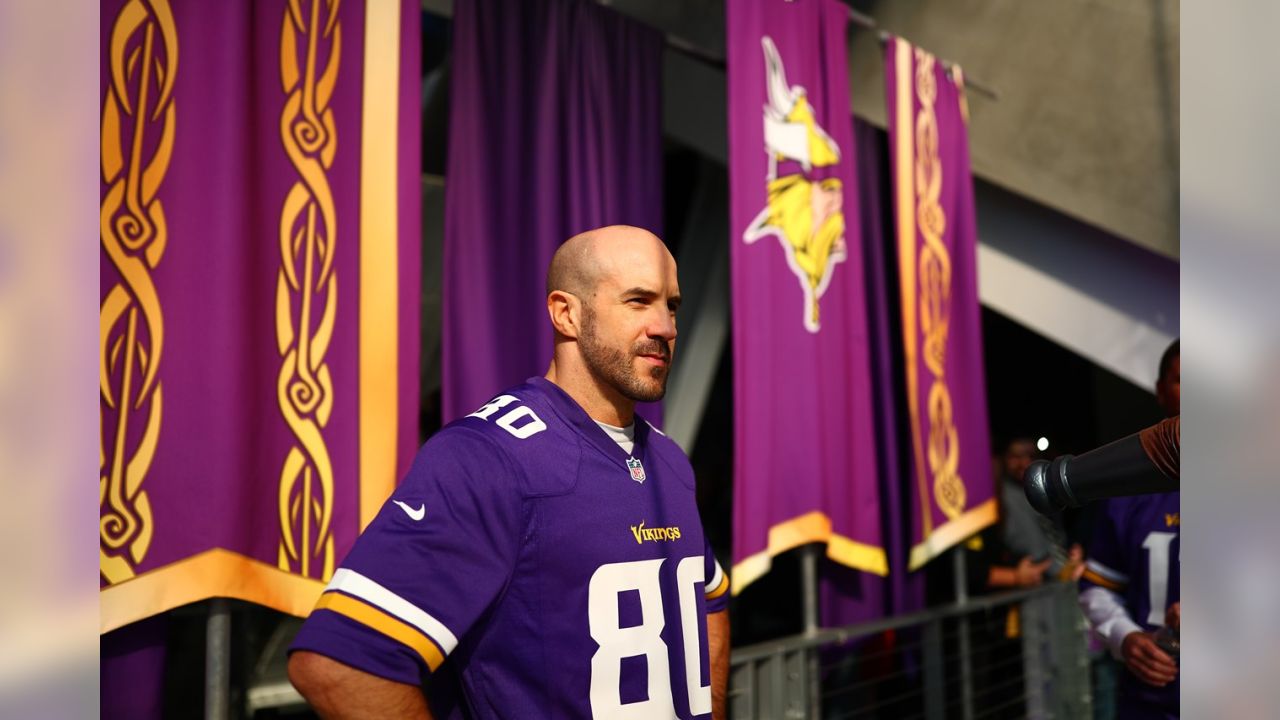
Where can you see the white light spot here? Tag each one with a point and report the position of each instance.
(1042, 444)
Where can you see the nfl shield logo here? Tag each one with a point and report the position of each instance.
(637, 470)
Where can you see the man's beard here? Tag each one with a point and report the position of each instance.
(617, 368)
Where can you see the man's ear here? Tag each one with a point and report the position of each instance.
(565, 310)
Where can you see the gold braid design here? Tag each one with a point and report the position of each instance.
(307, 284)
(935, 295)
(138, 121)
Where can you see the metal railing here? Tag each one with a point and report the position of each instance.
(1015, 654)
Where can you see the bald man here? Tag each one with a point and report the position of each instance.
(547, 546)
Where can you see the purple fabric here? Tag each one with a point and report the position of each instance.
(952, 489)
(525, 547)
(216, 477)
(409, 228)
(849, 596)
(555, 128)
(132, 670)
(805, 444)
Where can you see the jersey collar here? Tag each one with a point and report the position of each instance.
(572, 413)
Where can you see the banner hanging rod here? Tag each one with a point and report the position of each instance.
(869, 23)
(675, 42)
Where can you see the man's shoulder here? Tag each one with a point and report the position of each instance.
(520, 427)
(1149, 509)
(1138, 503)
(519, 413)
(661, 443)
(668, 451)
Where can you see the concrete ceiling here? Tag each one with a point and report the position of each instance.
(1086, 119)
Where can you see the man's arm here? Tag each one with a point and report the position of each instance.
(1027, 573)
(1136, 649)
(340, 692)
(718, 651)
(1107, 615)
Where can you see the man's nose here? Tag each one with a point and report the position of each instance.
(663, 325)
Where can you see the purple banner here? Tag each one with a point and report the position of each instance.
(259, 278)
(555, 128)
(805, 457)
(952, 489)
(849, 596)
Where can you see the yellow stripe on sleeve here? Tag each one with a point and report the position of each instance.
(380, 621)
(720, 589)
(1098, 579)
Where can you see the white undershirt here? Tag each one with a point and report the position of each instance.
(625, 437)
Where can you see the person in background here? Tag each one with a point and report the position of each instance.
(1015, 553)
(1130, 589)
(1025, 532)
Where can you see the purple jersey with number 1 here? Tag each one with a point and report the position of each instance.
(560, 575)
(1135, 553)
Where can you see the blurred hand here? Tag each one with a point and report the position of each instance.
(1146, 660)
(1076, 553)
(1030, 573)
(1173, 616)
(1073, 569)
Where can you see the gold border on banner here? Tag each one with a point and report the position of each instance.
(213, 573)
(952, 532)
(379, 258)
(925, 281)
(801, 530)
(957, 76)
(904, 162)
(307, 296)
(143, 60)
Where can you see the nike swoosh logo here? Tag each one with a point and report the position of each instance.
(413, 514)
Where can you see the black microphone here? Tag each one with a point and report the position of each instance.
(1123, 467)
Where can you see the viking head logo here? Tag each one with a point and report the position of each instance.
(805, 215)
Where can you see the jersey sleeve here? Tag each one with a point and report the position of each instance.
(717, 585)
(1105, 579)
(1106, 565)
(436, 556)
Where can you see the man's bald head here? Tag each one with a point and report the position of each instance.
(582, 260)
(612, 296)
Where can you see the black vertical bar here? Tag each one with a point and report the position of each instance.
(809, 577)
(962, 620)
(934, 672)
(217, 661)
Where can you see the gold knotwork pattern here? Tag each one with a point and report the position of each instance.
(935, 294)
(138, 121)
(307, 284)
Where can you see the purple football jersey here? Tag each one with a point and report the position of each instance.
(561, 575)
(1136, 553)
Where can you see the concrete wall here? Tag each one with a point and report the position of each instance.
(1086, 121)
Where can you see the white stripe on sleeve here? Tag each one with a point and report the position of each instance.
(1114, 576)
(716, 578)
(353, 583)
